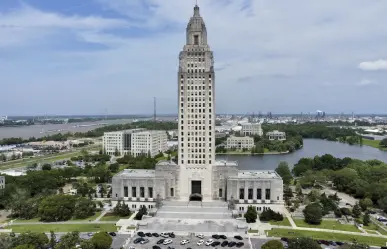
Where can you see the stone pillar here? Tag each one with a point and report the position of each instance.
(254, 190)
(246, 190)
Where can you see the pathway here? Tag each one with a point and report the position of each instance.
(290, 218)
(102, 215)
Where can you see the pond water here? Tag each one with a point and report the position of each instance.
(312, 147)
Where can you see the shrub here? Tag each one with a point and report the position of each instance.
(313, 213)
(268, 215)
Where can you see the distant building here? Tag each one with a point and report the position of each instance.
(276, 135)
(251, 129)
(234, 142)
(2, 182)
(120, 141)
(152, 142)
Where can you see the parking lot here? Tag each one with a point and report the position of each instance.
(192, 244)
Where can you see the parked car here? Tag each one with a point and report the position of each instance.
(200, 236)
(160, 241)
(231, 244)
(167, 242)
(215, 243)
(112, 234)
(156, 247)
(238, 237)
(138, 240)
(200, 242)
(164, 235)
(141, 234)
(144, 241)
(240, 244)
(131, 247)
(148, 234)
(222, 236)
(209, 242)
(155, 235)
(184, 241)
(215, 236)
(224, 243)
(172, 235)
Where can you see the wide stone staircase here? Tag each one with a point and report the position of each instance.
(194, 210)
(194, 217)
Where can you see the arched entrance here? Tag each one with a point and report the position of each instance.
(195, 197)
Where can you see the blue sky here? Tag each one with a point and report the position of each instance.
(85, 57)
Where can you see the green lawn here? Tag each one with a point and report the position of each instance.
(23, 221)
(371, 231)
(373, 226)
(289, 233)
(372, 143)
(328, 224)
(63, 228)
(111, 217)
(92, 218)
(284, 222)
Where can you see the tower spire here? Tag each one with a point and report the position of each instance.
(196, 9)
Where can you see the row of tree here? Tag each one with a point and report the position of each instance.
(31, 240)
(306, 243)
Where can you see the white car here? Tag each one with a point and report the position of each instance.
(200, 236)
(200, 242)
(184, 241)
(164, 235)
(209, 242)
(167, 242)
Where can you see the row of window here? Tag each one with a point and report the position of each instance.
(196, 99)
(195, 161)
(258, 208)
(196, 127)
(250, 194)
(197, 87)
(195, 93)
(142, 192)
(182, 76)
(196, 121)
(135, 206)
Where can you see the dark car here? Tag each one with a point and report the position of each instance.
(240, 244)
(172, 235)
(138, 240)
(215, 236)
(222, 236)
(284, 239)
(156, 247)
(224, 243)
(215, 243)
(148, 234)
(160, 241)
(155, 234)
(238, 237)
(112, 234)
(339, 243)
(141, 234)
(231, 244)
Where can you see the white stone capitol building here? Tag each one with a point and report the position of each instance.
(198, 176)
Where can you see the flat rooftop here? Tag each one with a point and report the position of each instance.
(260, 174)
(137, 173)
(225, 163)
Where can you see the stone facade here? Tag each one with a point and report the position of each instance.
(276, 135)
(239, 143)
(250, 129)
(197, 176)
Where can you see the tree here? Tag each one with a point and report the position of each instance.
(26, 246)
(101, 240)
(273, 244)
(383, 143)
(284, 171)
(354, 245)
(365, 203)
(57, 208)
(5, 241)
(3, 157)
(303, 243)
(121, 209)
(84, 208)
(251, 215)
(356, 211)
(366, 219)
(68, 241)
(141, 212)
(46, 166)
(52, 242)
(37, 240)
(313, 213)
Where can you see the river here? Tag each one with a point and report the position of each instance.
(312, 147)
(50, 129)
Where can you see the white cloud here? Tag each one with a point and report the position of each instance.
(285, 49)
(366, 82)
(373, 65)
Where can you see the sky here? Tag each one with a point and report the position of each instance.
(114, 56)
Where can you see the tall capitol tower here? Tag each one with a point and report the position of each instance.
(196, 86)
